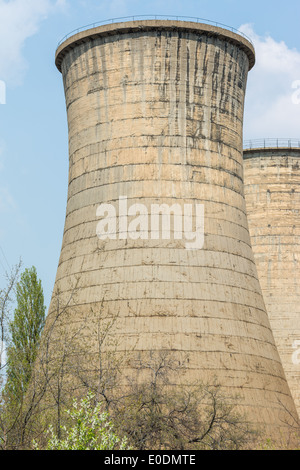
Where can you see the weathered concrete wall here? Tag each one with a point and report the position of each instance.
(155, 113)
(272, 192)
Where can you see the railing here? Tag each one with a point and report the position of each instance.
(153, 17)
(271, 143)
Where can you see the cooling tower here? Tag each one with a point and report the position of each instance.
(155, 118)
(272, 181)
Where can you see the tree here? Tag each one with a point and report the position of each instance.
(157, 416)
(25, 331)
(90, 429)
(6, 299)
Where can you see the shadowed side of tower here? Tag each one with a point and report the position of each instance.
(155, 116)
(272, 180)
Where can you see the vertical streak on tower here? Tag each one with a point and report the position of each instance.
(272, 181)
(155, 115)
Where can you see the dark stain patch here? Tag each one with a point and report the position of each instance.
(177, 78)
(205, 60)
(188, 75)
(196, 66)
(167, 64)
(95, 90)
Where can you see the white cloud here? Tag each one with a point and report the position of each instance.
(20, 19)
(271, 109)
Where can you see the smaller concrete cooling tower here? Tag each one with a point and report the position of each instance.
(272, 192)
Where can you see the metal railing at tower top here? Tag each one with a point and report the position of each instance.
(153, 17)
(271, 143)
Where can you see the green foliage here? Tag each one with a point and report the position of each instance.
(25, 331)
(90, 429)
(6, 300)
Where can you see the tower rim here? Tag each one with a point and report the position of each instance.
(153, 25)
(273, 146)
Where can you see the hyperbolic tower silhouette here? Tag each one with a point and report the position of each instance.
(272, 179)
(155, 115)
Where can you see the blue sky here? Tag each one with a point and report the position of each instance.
(33, 125)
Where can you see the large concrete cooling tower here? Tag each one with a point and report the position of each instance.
(272, 182)
(155, 116)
